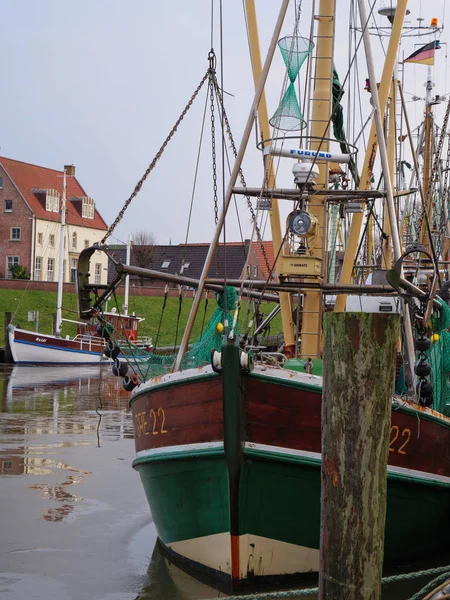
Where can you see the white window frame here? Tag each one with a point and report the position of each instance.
(52, 201)
(74, 240)
(86, 243)
(98, 273)
(255, 271)
(51, 240)
(73, 270)
(166, 264)
(38, 269)
(11, 264)
(40, 239)
(50, 271)
(8, 200)
(15, 239)
(87, 208)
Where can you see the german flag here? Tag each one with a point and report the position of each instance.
(424, 55)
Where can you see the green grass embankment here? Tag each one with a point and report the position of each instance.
(19, 303)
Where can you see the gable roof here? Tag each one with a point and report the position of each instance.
(195, 254)
(268, 248)
(27, 177)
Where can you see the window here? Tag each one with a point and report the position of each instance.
(73, 270)
(86, 243)
(52, 201)
(184, 265)
(50, 269)
(87, 208)
(255, 270)
(7, 465)
(249, 272)
(8, 205)
(51, 241)
(11, 261)
(165, 264)
(15, 233)
(38, 268)
(39, 239)
(74, 240)
(1, 183)
(98, 272)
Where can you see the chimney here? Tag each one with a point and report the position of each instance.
(70, 170)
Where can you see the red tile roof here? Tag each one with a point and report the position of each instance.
(268, 247)
(27, 177)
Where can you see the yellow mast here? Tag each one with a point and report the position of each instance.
(391, 142)
(255, 55)
(321, 111)
(388, 70)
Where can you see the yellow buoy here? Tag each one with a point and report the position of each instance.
(219, 328)
(434, 337)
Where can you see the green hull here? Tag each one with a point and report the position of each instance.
(279, 500)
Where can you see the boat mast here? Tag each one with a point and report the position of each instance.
(372, 143)
(127, 278)
(61, 258)
(275, 225)
(319, 128)
(231, 184)
(428, 126)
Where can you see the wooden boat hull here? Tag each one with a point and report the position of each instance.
(179, 425)
(37, 348)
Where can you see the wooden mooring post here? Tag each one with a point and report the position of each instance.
(359, 360)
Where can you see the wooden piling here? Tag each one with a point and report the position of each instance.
(359, 360)
(8, 355)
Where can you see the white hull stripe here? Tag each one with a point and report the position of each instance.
(278, 450)
(317, 456)
(58, 348)
(181, 449)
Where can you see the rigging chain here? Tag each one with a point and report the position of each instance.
(241, 176)
(434, 169)
(154, 161)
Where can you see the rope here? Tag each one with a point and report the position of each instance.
(443, 572)
(180, 302)
(166, 292)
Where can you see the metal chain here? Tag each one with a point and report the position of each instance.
(241, 176)
(154, 161)
(212, 76)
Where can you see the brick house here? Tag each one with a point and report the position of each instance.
(30, 222)
(189, 260)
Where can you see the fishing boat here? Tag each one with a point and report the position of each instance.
(87, 346)
(228, 436)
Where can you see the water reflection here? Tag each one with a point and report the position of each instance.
(75, 508)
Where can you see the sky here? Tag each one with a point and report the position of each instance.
(100, 83)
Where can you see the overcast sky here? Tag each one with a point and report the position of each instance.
(99, 83)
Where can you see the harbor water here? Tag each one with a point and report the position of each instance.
(74, 522)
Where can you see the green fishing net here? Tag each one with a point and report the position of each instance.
(288, 116)
(150, 364)
(294, 50)
(439, 357)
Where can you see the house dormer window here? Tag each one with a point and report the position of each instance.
(52, 200)
(74, 240)
(87, 208)
(184, 265)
